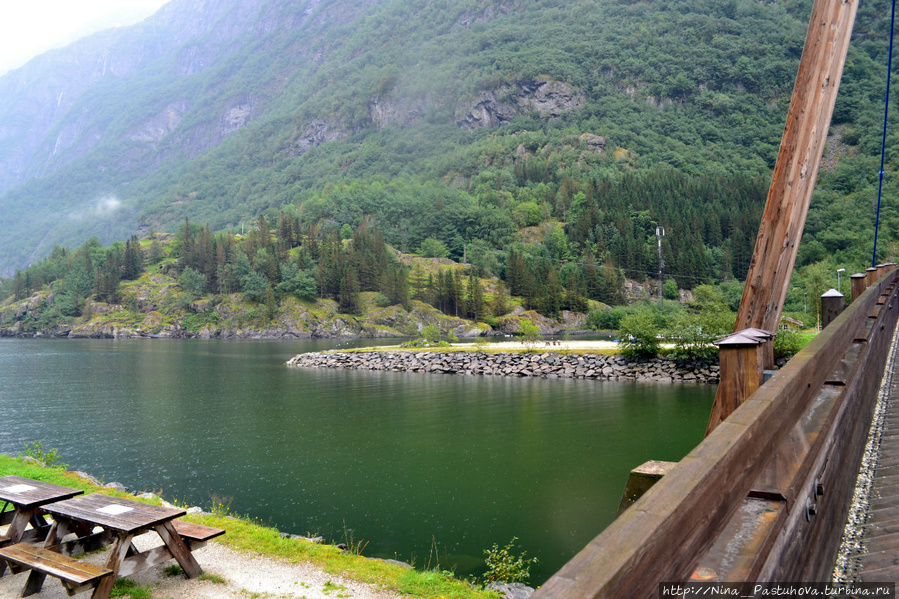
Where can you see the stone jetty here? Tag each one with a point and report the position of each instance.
(548, 365)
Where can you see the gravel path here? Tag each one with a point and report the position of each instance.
(245, 575)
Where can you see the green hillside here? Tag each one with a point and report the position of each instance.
(536, 140)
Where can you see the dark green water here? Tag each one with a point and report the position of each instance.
(404, 461)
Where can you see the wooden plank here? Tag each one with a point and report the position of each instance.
(885, 542)
(888, 574)
(25, 492)
(54, 564)
(796, 168)
(879, 560)
(842, 452)
(196, 532)
(106, 511)
(145, 559)
(793, 180)
(84, 544)
(179, 549)
(114, 562)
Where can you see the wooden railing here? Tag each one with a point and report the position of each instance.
(765, 496)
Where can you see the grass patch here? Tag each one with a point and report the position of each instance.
(213, 578)
(474, 348)
(173, 570)
(125, 587)
(58, 476)
(251, 536)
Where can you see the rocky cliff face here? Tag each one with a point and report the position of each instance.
(493, 108)
(49, 113)
(64, 103)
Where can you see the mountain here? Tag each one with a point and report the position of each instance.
(221, 110)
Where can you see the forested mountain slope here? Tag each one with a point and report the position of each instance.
(462, 122)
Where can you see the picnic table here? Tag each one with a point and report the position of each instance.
(121, 520)
(27, 497)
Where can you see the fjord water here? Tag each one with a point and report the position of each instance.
(425, 468)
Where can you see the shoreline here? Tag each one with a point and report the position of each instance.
(251, 559)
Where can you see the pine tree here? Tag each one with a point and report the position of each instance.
(476, 304)
(18, 285)
(500, 300)
(133, 262)
(348, 299)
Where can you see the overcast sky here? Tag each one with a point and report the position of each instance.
(31, 27)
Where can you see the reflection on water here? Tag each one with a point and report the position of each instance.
(402, 461)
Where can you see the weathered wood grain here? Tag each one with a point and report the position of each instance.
(692, 505)
(793, 180)
(72, 572)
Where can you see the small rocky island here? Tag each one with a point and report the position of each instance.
(548, 363)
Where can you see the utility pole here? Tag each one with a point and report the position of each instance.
(660, 232)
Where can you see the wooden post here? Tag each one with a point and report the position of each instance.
(881, 270)
(641, 479)
(746, 352)
(871, 274)
(832, 304)
(793, 180)
(859, 284)
(797, 164)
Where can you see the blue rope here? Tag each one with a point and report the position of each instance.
(883, 143)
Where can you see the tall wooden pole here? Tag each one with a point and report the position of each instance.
(793, 181)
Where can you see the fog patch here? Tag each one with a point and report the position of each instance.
(101, 208)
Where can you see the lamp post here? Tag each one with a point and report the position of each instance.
(804, 298)
(839, 270)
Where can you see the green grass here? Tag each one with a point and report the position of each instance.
(243, 534)
(125, 587)
(213, 578)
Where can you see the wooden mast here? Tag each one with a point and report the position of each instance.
(792, 183)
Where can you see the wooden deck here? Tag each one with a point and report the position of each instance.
(881, 562)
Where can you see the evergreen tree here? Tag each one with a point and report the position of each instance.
(500, 300)
(18, 286)
(348, 299)
(476, 303)
(108, 276)
(133, 260)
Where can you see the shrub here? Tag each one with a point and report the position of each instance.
(430, 333)
(530, 331)
(47, 457)
(638, 333)
(503, 566)
(380, 300)
(193, 282)
(606, 320)
(787, 344)
(693, 334)
(670, 290)
(433, 248)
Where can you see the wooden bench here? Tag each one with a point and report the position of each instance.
(74, 574)
(196, 535)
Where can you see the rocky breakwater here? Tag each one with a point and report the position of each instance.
(549, 365)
